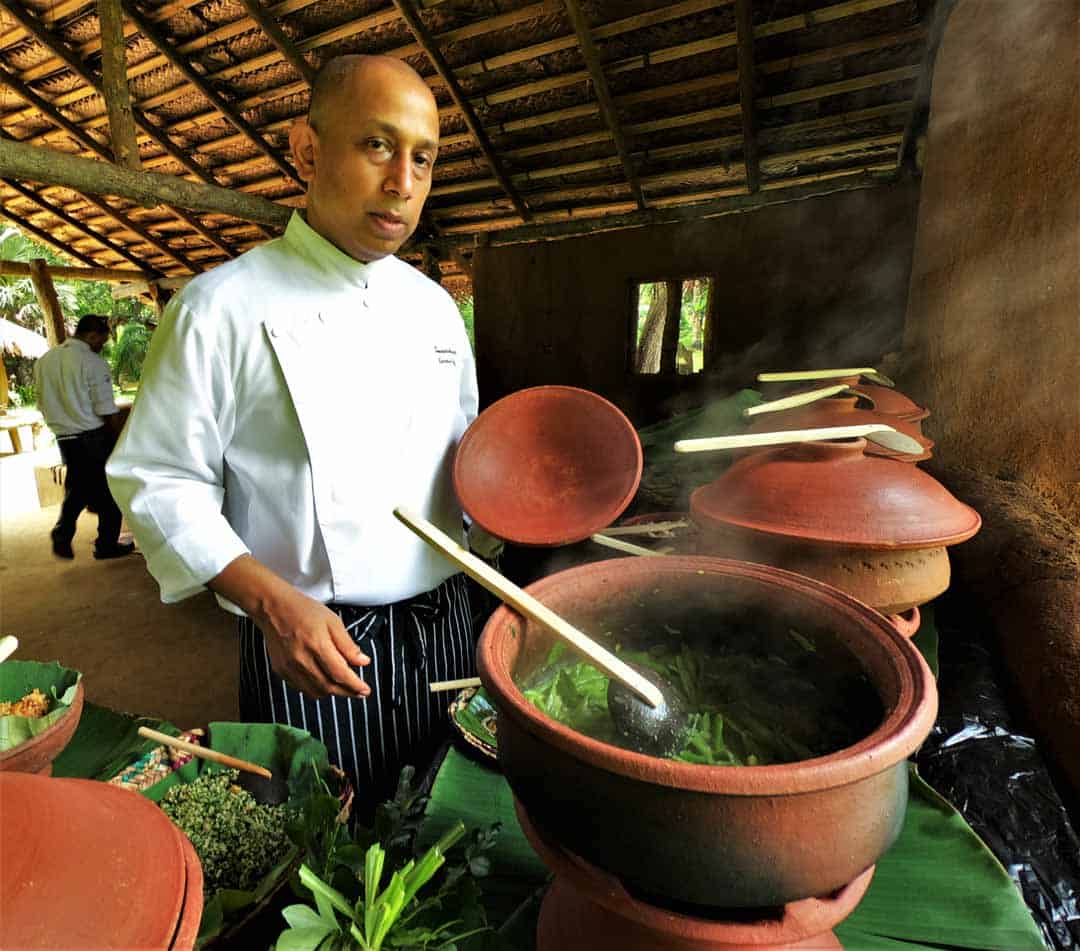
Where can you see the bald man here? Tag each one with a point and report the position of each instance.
(291, 399)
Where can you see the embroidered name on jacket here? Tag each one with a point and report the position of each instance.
(446, 355)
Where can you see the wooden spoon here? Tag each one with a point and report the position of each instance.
(9, 643)
(796, 399)
(795, 375)
(655, 722)
(876, 432)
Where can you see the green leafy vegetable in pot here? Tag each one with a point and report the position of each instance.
(758, 694)
(238, 841)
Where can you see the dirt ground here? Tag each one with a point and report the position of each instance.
(105, 618)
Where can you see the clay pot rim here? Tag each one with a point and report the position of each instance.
(28, 747)
(900, 733)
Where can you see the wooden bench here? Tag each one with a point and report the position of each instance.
(14, 420)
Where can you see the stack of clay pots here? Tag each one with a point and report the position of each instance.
(90, 865)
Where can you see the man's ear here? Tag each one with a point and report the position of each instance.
(304, 146)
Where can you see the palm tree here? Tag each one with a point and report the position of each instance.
(18, 300)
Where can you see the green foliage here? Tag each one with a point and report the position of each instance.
(127, 355)
(18, 300)
(366, 886)
(465, 306)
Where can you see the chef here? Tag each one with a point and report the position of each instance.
(291, 399)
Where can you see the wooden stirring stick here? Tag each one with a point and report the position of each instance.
(438, 686)
(9, 643)
(203, 753)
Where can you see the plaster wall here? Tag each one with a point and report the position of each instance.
(817, 282)
(992, 341)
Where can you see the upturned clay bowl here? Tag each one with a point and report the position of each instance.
(875, 528)
(711, 836)
(843, 411)
(549, 465)
(36, 755)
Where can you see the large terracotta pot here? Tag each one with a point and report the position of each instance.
(36, 755)
(875, 528)
(844, 411)
(714, 836)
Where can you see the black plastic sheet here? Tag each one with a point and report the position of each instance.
(980, 759)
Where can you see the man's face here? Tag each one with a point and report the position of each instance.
(96, 341)
(369, 165)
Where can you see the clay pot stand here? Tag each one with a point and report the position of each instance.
(587, 908)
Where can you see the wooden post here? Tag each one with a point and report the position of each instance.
(114, 75)
(5, 396)
(55, 330)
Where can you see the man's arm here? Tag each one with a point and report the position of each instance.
(307, 643)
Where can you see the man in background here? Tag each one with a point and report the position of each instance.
(74, 393)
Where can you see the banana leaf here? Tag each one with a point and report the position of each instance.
(105, 742)
(938, 887)
(284, 751)
(18, 678)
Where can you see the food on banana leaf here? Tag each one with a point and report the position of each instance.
(34, 704)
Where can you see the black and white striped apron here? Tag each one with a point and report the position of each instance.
(425, 638)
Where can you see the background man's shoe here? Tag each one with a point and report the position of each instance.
(113, 551)
(61, 546)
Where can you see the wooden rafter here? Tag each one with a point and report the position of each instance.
(63, 216)
(114, 83)
(266, 22)
(603, 95)
(744, 30)
(161, 43)
(51, 113)
(427, 43)
(59, 48)
(43, 236)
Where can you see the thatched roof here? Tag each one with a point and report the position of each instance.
(556, 115)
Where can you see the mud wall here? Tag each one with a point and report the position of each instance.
(992, 342)
(816, 282)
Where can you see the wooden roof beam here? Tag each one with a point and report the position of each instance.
(51, 113)
(269, 25)
(744, 31)
(114, 84)
(427, 43)
(241, 124)
(27, 163)
(603, 95)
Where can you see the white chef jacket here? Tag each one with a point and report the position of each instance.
(291, 399)
(74, 388)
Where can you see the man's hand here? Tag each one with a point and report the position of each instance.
(307, 643)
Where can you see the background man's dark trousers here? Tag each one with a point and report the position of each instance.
(85, 487)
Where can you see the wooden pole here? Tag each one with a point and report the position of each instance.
(114, 82)
(115, 275)
(55, 330)
(27, 163)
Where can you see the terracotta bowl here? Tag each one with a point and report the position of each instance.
(710, 836)
(36, 755)
(549, 465)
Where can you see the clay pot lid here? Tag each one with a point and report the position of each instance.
(891, 402)
(843, 411)
(548, 465)
(86, 865)
(833, 492)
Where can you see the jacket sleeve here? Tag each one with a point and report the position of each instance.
(167, 471)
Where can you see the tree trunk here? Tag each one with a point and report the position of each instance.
(651, 338)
